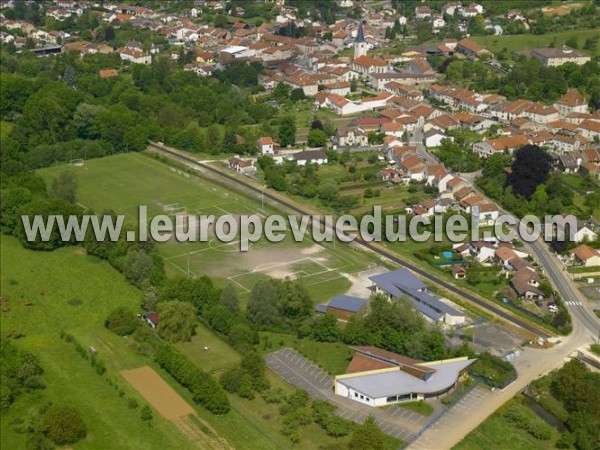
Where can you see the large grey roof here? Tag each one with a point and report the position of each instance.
(402, 282)
(564, 52)
(347, 303)
(400, 277)
(388, 384)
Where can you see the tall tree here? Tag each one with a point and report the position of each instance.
(69, 76)
(317, 138)
(287, 131)
(367, 436)
(138, 267)
(64, 186)
(529, 169)
(325, 328)
(262, 303)
(229, 299)
(177, 321)
(109, 34)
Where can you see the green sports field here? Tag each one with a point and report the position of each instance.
(123, 182)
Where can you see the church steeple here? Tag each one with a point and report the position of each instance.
(360, 35)
(360, 45)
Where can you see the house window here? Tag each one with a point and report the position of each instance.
(362, 397)
(356, 394)
(391, 399)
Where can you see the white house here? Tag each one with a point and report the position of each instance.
(350, 136)
(434, 138)
(134, 55)
(376, 377)
(310, 157)
(585, 256)
(266, 146)
(584, 233)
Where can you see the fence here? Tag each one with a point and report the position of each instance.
(358, 148)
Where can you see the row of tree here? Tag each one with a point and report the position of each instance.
(205, 389)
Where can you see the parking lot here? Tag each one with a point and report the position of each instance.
(301, 372)
(304, 374)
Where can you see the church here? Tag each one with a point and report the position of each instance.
(360, 45)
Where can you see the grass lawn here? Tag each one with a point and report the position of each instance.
(579, 186)
(331, 357)
(216, 359)
(37, 287)
(33, 278)
(419, 407)
(530, 41)
(496, 433)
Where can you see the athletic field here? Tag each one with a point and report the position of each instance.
(123, 182)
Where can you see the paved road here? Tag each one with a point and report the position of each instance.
(488, 306)
(575, 301)
(531, 364)
(466, 406)
(304, 374)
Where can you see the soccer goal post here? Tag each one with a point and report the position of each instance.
(179, 211)
(76, 162)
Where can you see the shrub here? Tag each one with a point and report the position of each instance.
(539, 430)
(122, 321)
(146, 413)
(337, 426)
(63, 424)
(275, 395)
(493, 370)
(205, 389)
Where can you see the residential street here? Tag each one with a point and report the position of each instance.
(531, 364)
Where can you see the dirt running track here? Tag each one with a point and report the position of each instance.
(158, 393)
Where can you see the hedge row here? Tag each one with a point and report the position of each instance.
(205, 389)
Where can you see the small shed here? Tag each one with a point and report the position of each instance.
(344, 307)
(459, 272)
(152, 319)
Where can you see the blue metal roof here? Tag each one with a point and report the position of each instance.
(402, 282)
(321, 308)
(347, 303)
(426, 310)
(401, 278)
